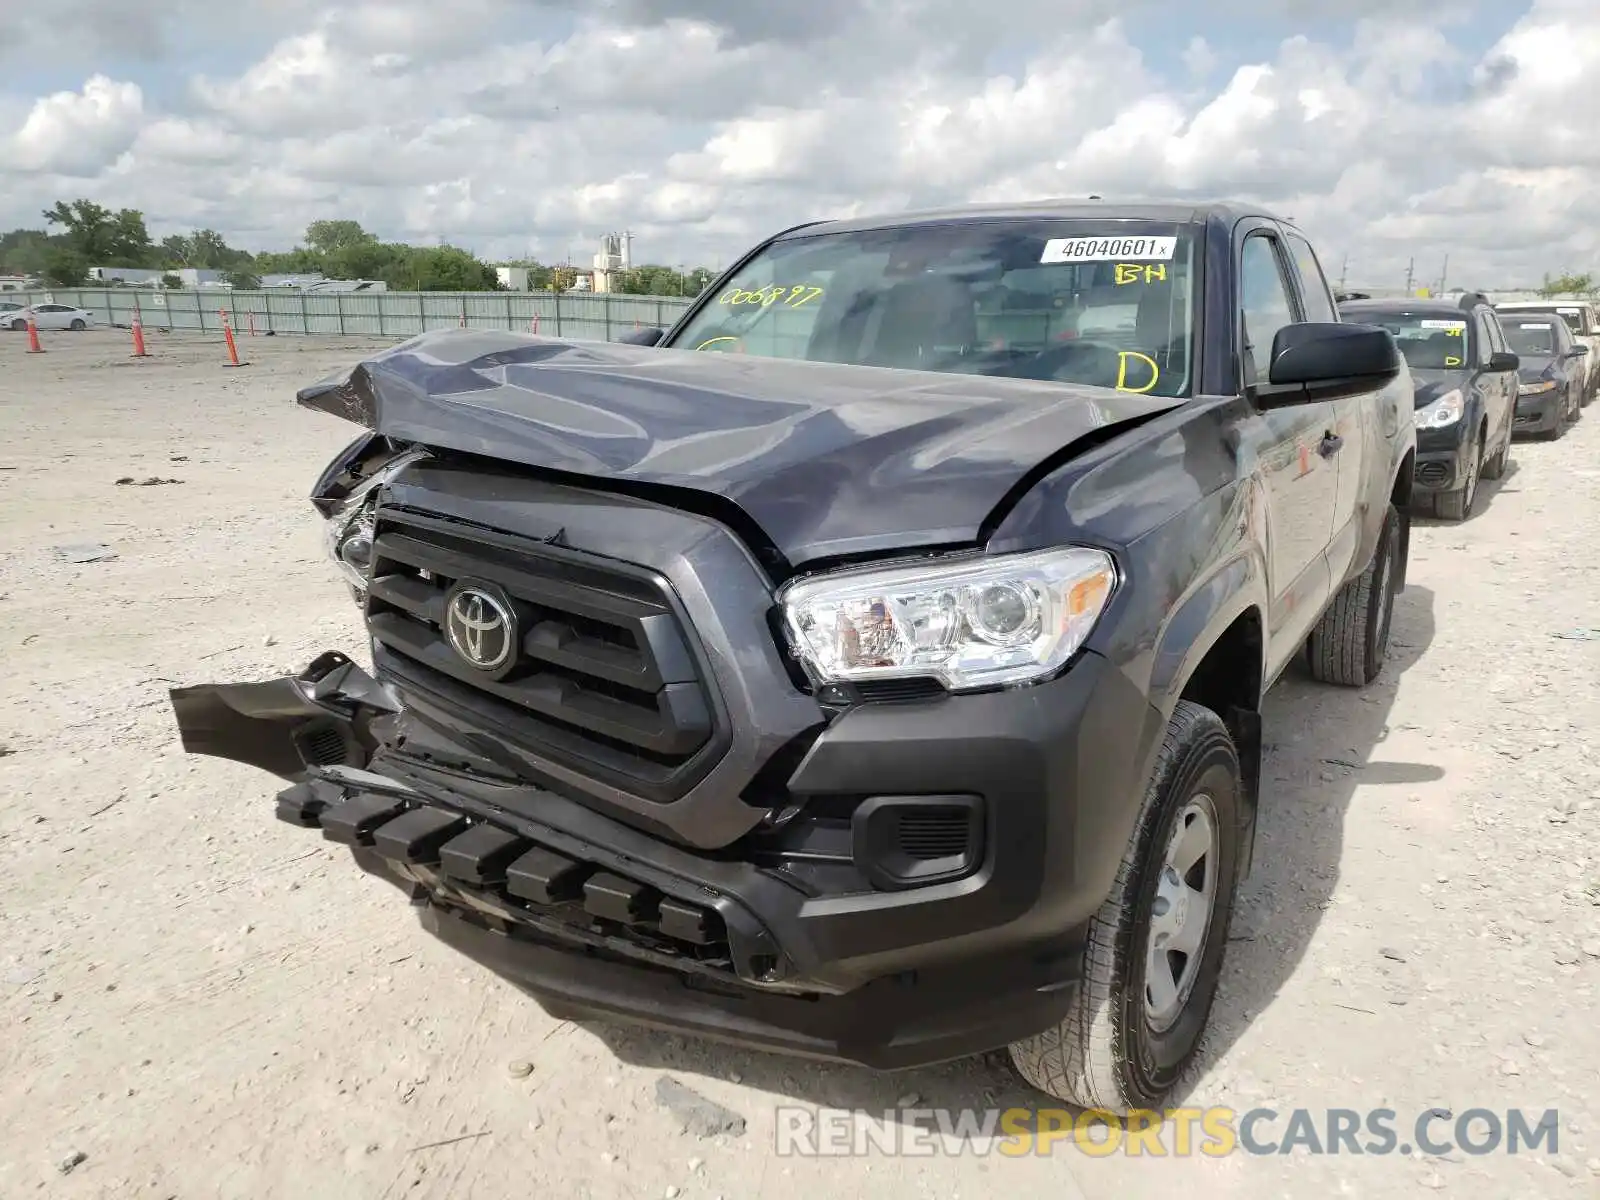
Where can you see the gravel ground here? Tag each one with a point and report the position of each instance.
(201, 1002)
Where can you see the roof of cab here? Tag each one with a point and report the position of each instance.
(1429, 306)
(1172, 212)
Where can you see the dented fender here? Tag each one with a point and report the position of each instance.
(322, 717)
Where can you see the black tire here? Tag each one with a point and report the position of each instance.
(78, 325)
(1457, 505)
(19, 327)
(1495, 468)
(1349, 643)
(1106, 1054)
(1559, 430)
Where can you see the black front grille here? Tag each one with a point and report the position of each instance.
(606, 678)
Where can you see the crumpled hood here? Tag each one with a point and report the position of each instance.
(826, 459)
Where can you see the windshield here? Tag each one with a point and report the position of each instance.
(1096, 302)
(1534, 338)
(1429, 343)
(1571, 315)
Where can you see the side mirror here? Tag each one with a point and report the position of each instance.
(1577, 352)
(1324, 354)
(642, 337)
(1504, 360)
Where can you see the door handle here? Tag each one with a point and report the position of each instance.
(1332, 443)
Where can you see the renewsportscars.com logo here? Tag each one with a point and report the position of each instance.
(1173, 1133)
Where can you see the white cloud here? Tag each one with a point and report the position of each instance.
(701, 125)
(76, 133)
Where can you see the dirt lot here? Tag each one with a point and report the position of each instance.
(206, 1003)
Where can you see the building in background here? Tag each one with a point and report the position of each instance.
(616, 255)
(190, 277)
(514, 279)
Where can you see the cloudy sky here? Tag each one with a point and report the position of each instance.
(1393, 129)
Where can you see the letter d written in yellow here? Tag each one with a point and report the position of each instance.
(1122, 371)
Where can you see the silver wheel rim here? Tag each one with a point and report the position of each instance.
(1180, 920)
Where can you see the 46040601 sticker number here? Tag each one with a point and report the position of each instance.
(1109, 249)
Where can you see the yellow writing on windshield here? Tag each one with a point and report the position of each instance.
(710, 342)
(777, 293)
(1451, 360)
(1141, 273)
(1122, 371)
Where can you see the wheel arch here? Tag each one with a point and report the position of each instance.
(1213, 653)
(1400, 495)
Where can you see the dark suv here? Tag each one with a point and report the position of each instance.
(871, 669)
(1466, 392)
(1551, 371)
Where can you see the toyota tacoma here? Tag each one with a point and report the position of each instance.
(869, 666)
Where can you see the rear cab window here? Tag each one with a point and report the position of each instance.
(1104, 302)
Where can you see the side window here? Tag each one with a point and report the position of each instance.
(1497, 333)
(1318, 296)
(1264, 304)
(1486, 346)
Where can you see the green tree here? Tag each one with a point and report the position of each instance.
(450, 269)
(370, 259)
(105, 238)
(64, 266)
(242, 279)
(299, 261)
(171, 282)
(324, 237)
(1567, 285)
(22, 251)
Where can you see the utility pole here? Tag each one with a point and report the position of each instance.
(1344, 272)
(1410, 276)
(1444, 272)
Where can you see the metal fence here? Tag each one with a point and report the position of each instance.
(381, 314)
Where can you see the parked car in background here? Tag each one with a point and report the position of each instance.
(1465, 376)
(49, 316)
(1551, 371)
(1583, 319)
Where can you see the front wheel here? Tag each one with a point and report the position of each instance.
(19, 327)
(78, 325)
(1349, 643)
(1495, 468)
(1457, 505)
(1155, 948)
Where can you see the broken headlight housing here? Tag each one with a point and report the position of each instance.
(347, 498)
(979, 623)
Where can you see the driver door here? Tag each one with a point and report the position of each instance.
(1300, 481)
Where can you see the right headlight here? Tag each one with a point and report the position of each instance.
(1446, 410)
(350, 522)
(979, 623)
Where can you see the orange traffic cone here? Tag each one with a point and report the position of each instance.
(227, 334)
(33, 337)
(138, 335)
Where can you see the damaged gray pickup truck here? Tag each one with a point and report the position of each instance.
(869, 667)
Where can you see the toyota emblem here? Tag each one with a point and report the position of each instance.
(481, 628)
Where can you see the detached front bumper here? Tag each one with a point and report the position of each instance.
(599, 919)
